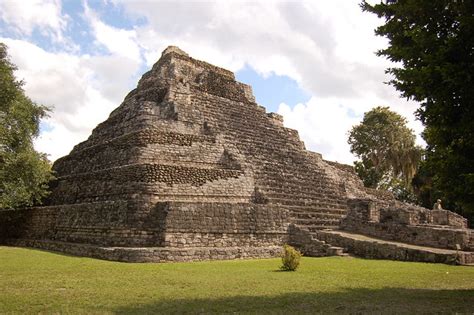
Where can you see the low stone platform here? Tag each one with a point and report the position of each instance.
(370, 247)
(150, 254)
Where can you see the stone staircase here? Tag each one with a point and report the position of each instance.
(371, 247)
(311, 246)
(284, 173)
(190, 167)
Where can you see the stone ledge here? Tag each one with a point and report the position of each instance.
(157, 172)
(438, 236)
(150, 254)
(369, 247)
(174, 49)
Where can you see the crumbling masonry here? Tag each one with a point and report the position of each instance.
(190, 167)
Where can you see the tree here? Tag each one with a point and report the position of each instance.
(432, 45)
(24, 173)
(386, 147)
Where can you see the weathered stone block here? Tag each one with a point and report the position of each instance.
(189, 167)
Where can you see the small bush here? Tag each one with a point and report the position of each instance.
(290, 257)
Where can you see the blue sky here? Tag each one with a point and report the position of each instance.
(311, 61)
(271, 91)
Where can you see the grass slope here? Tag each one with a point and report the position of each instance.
(34, 281)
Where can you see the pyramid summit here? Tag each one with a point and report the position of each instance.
(174, 49)
(190, 167)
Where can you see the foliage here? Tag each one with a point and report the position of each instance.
(431, 43)
(386, 147)
(370, 175)
(24, 173)
(290, 258)
(63, 284)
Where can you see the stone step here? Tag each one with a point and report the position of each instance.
(305, 209)
(309, 217)
(151, 254)
(316, 228)
(370, 247)
(306, 198)
(287, 200)
(335, 251)
(316, 223)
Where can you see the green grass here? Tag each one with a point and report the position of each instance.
(34, 281)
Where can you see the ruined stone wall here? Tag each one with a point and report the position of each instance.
(35, 223)
(152, 254)
(224, 224)
(190, 160)
(404, 223)
(209, 101)
(112, 223)
(369, 248)
(283, 171)
(309, 245)
(446, 217)
(127, 149)
(190, 167)
(169, 224)
(183, 164)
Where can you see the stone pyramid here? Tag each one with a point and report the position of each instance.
(190, 167)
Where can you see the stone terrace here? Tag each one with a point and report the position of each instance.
(190, 167)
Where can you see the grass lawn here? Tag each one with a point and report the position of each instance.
(34, 281)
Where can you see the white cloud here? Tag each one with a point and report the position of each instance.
(81, 89)
(26, 15)
(326, 46)
(305, 41)
(61, 138)
(324, 123)
(53, 79)
(323, 126)
(74, 86)
(58, 141)
(118, 42)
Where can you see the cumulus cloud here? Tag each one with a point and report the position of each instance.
(75, 87)
(119, 42)
(327, 47)
(53, 79)
(81, 89)
(317, 131)
(306, 41)
(324, 123)
(25, 16)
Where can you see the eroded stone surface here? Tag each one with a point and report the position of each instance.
(190, 167)
(409, 223)
(370, 247)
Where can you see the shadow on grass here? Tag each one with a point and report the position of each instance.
(353, 301)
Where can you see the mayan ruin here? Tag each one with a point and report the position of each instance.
(189, 167)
